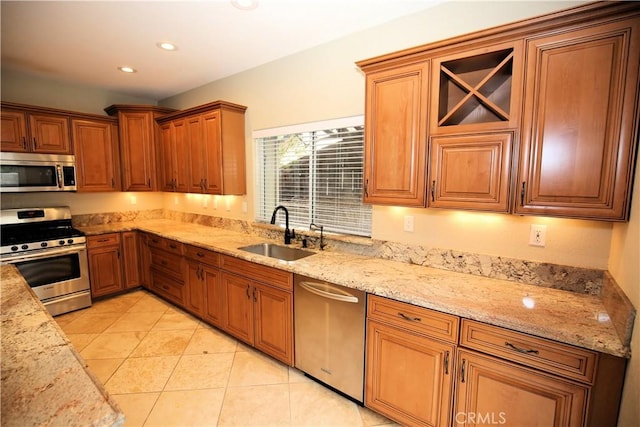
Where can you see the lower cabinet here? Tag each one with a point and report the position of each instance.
(167, 269)
(204, 296)
(410, 362)
(113, 262)
(258, 306)
(105, 264)
(493, 391)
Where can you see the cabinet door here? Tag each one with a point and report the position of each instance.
(409, 377)
(471, 172)
(50, 134)
(273, 315)
(131, 259)
(168, 167)
(238, 310)
(137, 150)
(395, 137)
(493, 391)
(145, 261)
(195, 290)
(580, 122)
(212, 152)
(181, 152)
(96, 150)
(105, 270)
(214, 296)
(197, 161)
(14, 131)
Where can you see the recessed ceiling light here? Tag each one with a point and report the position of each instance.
(127, 69)
(245, 4)
(167, 46)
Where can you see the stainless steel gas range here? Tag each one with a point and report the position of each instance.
(49, 253)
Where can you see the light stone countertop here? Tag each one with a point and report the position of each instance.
(44, 380)
(563, 316)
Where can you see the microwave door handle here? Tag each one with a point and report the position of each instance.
(344, 296)
(59, 171)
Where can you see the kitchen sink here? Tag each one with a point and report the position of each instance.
(271, 250)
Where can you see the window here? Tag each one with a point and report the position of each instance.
(315, 170)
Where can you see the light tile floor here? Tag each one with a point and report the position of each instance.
(166, 368)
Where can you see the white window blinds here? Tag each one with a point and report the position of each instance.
(315, 170)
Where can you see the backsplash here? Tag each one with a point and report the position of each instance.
(573, 279)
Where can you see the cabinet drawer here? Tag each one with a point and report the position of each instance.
(167, 263)
(540, 353)
(261, 273)
(202, 255)
(166, 244)
(168, 288)
(111, 239)
(413, 318)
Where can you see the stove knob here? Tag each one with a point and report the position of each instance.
(70, 241)
(14, 248)
(61, 242)
(44, 244)
(24, 247)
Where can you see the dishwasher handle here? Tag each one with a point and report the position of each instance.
(342, 296)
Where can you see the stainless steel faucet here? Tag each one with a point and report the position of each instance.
(288, 235)
(314, 227)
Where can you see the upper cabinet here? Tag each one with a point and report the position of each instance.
(395, 135)
(537, 117)
(97, 158)
(139, 135)
(35, 131)
(580, 122)
(477, 89)
(203, 149)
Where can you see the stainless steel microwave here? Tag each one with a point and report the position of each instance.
(26, 172)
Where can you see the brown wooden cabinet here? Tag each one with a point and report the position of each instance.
(105, 264)
(167, 269)
(97, 157)
(410, 362)
(131, 260)
(204, 288)
(396, 135)
(564, 86)
(580, 121)
(175, 156)
(258, 306)
(471, 171)
(494, 391)
(139, 135)
(203, 149)
(477, 89)
(35, 130)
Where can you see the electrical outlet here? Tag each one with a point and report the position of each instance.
(538, 235)
(408, 223)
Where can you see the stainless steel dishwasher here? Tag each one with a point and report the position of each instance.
(329, 334)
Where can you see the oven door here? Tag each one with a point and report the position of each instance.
(53, 273)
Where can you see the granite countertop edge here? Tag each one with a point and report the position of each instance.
(563, 316)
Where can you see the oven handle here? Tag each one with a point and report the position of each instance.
(46, 253)
(342, 296)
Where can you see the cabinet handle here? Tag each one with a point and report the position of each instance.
(366, 188)
(200, 254)
(163, 263)
(446, 363)
(118, 253)
(102, 240)
(35, 143)
(462, 369)
(411, 319)
(199, 273)
(255, 299)
(433, 191)
(149, 182)
(204, 187)
(24, 142)
(172, 245)
(522, 194)
(248, 296)
(519, 349)
(113, 183)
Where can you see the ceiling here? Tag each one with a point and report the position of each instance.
(85, 41)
